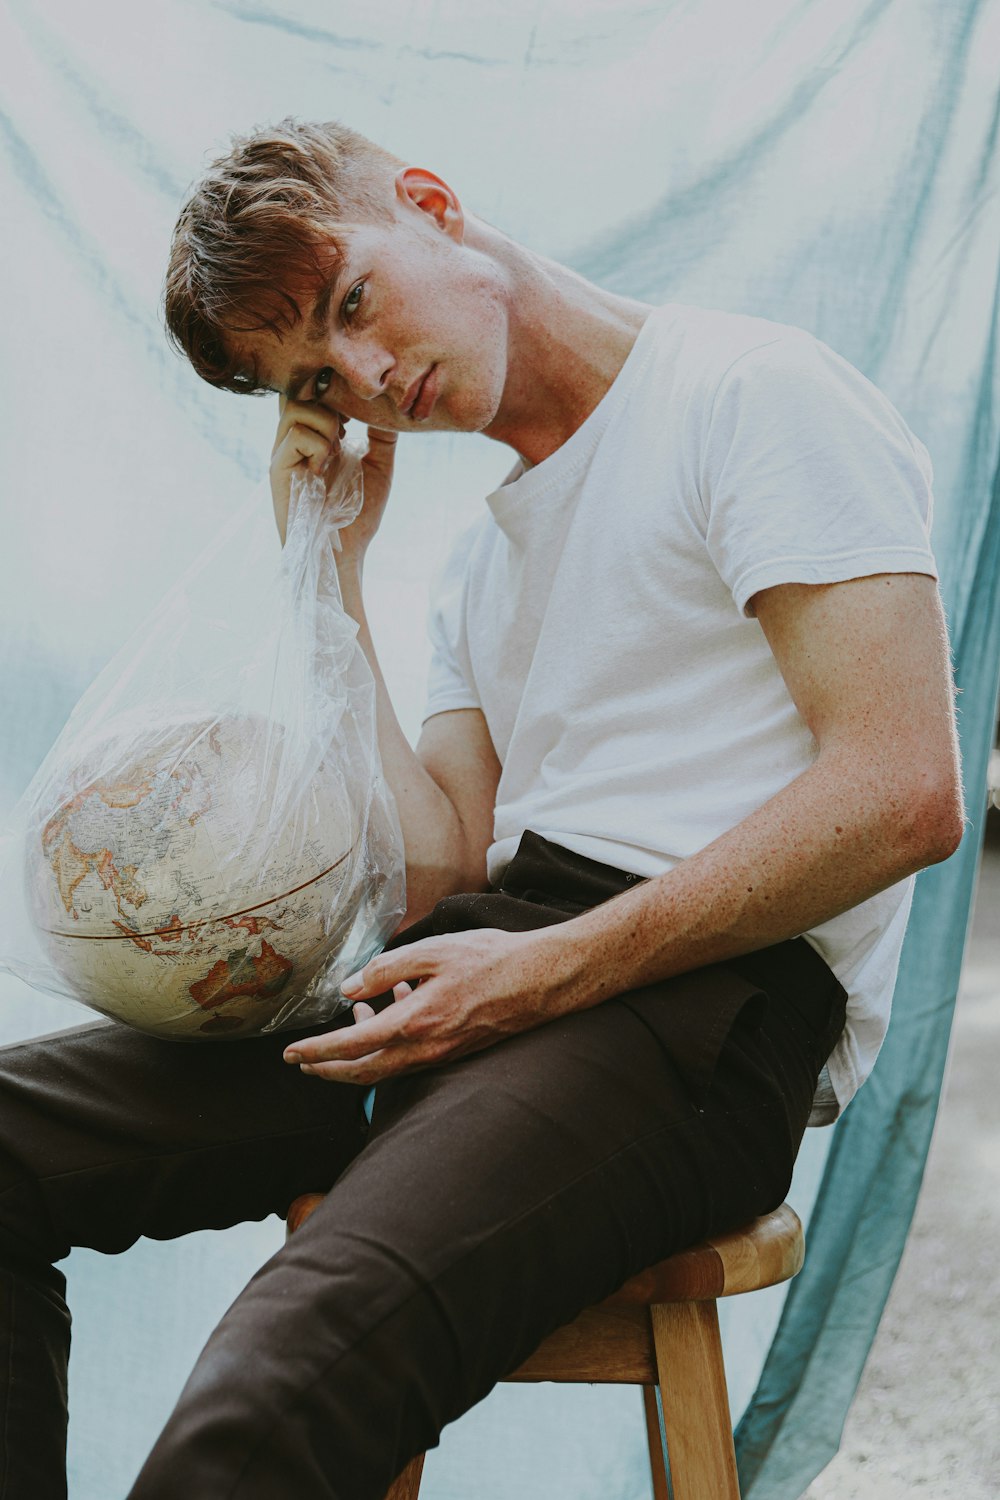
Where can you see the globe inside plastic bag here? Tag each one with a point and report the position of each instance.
(210, 847)
(140, 904)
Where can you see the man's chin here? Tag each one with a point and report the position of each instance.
(484, 417)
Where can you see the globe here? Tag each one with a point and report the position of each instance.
(181, 886)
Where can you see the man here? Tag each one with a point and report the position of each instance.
(690, 701)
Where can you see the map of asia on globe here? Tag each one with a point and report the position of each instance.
(180, 885)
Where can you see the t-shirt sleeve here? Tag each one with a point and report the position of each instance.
(809, 474)
(450, 681)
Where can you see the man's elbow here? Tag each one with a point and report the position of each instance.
(934, 818)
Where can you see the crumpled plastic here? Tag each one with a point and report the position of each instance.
(210, 846)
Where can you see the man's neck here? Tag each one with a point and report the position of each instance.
(568, 340)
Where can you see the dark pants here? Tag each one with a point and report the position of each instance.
(492, 1200)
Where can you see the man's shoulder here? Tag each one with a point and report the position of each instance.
(712, 339)
(739, 362)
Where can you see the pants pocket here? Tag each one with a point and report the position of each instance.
(810, 998)
(693, 1015)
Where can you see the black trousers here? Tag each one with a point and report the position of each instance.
(490, 1200)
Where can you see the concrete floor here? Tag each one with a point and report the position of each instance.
(926, 1419)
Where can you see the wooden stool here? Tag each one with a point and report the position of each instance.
(661, 1329)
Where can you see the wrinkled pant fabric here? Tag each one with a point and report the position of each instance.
(488, 1203)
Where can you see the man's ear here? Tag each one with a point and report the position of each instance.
(421, 189)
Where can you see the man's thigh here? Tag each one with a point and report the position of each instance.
(107, 1134)
(562, 1161)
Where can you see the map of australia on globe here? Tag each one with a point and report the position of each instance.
(176, 885)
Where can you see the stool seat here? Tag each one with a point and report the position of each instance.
(769, 1250)
(614, 1343)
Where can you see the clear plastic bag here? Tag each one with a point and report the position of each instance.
(210, 847)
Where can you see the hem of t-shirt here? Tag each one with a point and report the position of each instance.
(825, 1105)
(444, 703)
(843, 1081)
(835, 568)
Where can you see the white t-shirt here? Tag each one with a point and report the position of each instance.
(599, 616)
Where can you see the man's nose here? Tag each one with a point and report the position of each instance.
(366, 369)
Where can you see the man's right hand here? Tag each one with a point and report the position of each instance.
(308, 441)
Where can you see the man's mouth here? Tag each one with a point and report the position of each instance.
(421, 396)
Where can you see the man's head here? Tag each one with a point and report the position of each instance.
(312, 262)
(260, 235)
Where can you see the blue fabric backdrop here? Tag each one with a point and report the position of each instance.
(830, 163)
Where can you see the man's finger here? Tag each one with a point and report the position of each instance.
(416, 961)
(374, 1069)
(371, 1070)
(381, 451)
(350, 1043)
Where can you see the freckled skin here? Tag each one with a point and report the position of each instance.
(425, 303)
(523, 350)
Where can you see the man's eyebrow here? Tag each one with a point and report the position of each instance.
(297, 380)
(321, 307)
(317, 328)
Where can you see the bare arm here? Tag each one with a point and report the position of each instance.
(866, 663)
(446, 789)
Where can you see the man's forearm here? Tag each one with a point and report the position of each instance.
(831, 839)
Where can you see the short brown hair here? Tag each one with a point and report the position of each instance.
(259, 234)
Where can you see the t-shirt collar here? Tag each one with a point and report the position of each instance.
(528, 485)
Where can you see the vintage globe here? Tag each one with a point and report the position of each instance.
(176, 888)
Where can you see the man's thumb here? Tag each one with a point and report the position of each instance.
(381, 449)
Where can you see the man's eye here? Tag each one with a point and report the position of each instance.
(322, 383)
(353, 299)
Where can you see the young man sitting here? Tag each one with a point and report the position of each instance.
(689, 735)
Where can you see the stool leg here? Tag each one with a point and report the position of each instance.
(695, 1401)
(655, 1439)
(407, 1485)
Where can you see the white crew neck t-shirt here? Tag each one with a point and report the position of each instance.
(600, 615)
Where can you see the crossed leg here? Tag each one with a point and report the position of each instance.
(496, 1197)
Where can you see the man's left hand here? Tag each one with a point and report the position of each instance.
(453, 994)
